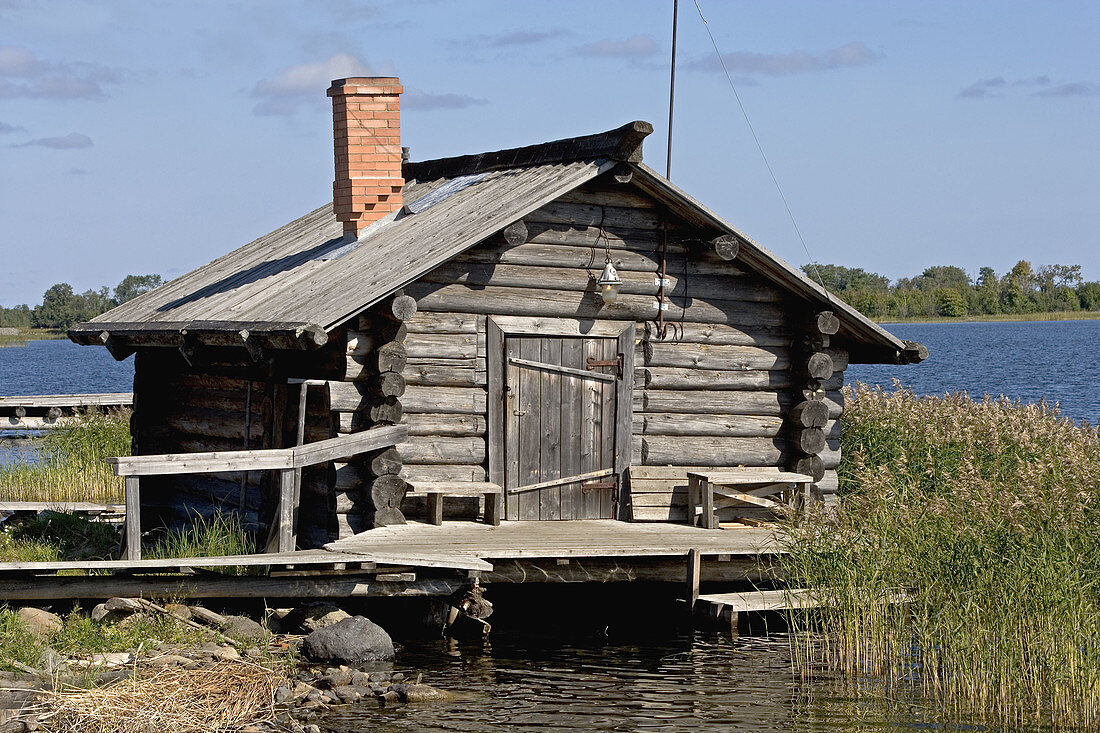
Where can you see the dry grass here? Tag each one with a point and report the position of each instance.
(987, 516)
(222, 697)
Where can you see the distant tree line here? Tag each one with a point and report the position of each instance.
(61, 306)
(946, 290)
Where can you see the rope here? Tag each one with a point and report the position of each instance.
(760, 148)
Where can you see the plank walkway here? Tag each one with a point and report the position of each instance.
(557, 539)
(72, 507)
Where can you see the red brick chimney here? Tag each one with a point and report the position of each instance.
(366, 129)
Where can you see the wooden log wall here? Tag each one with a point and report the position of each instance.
(369, 490)
(179, 410)
(713, 390)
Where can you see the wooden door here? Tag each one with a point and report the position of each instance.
(560, 424)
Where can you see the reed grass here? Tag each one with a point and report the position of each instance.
(216, 536)
(963, 564)
(70, 462)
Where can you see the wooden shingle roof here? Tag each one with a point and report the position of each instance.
(289, 288)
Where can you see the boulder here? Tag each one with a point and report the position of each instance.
(123, 605)
(243, 628)
(206, 616)
(39, 622)
(308, 619)
(178, 610)
(351, 641)
(101, 615)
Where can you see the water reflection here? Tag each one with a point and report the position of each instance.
(689, 682)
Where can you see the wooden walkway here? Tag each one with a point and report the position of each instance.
(590, 538)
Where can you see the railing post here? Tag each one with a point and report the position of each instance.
(287, 509)
(133, 518)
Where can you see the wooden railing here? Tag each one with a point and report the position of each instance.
(287, 461)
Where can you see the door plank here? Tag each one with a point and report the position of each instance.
(607, 426)
(530, 427)
(511, 432)
(572, 355)
(550, 430)
(591, 430)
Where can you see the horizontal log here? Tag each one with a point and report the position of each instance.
(564, 304)
(386, 411)
(455, 426)
(614, 238)
(705, 356)
(604, 197)
(515, 233)
(441, 472)
(383, 463)
(441, 345)
(444, 400)
(726, 246)
(398, 308)
(559, 212)
(809, 465)
(387, 384)
(718, 334)
(722, 287)
(732, 402)
(215, 423)
(829, 484)
(818, 365)
(428, 322)
(645, 258)
(708, 451)
(809, 414)
(427, 449)
(733, 426)
(808, 440)
(445, 372)
(824, 322)
(360, 343)
(381, 329)
(731, 379)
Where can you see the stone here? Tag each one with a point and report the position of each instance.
(125, 605)
(39, 622)
(282, 694)
(347, 693)
(312, 728)
(52, 663)
(134, 619)
(178, 610)
(360, 679)
(424, 693)
(351, 641)
(101, 615)
(226, 654)
(169, 660)
(243, 628)
(313, 617)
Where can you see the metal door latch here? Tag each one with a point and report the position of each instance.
(617, 362)
(519, 412)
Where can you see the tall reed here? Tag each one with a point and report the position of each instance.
(963, 564)
(70, 462)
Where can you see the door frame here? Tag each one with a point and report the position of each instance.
(498, 328)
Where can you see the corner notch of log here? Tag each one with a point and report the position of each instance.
(825, 323)
(515, 233)
(118, 350)
(255, 350)
(913, 353)
(400, 308)
(726, 246)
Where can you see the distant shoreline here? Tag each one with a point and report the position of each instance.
(1003, 317)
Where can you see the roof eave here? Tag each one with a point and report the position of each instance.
(123, 338)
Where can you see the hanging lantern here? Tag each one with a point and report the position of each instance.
(609, 283)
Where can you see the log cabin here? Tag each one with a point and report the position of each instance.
(564, 332)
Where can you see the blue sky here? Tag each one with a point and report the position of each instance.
(148, 136)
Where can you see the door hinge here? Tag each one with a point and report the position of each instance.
(597, 485)
(594, 363)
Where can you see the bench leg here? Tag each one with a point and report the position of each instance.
(493, 501)
(710, 521)
(435, 508)
(693, 499)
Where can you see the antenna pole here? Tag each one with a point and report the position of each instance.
(671, 90)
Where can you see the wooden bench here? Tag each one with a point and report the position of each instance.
(434, 491)
(743, 487)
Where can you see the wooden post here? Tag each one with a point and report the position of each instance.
(133, 518)
(710, 521)
(694, 572)
(435, 507)
(493, 503)
(693, 497)
(287, 511)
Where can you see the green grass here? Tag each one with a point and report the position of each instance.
(220, 535)
(986, 517)
(15, 336)
(71, 462)
(1052, 316)
(79, 635)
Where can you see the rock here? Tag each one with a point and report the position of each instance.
(359, 678)
(101, 615)
(108, 660)
(134, 619)
(351, 641)
(424, 693)
(389, 697)
(347, 694)
(312, 728)
(178, 610)
(253, 653)
(125, 605)
(397, 677)
(39, 622)
(282, 694)
(226, 654)
(51, 662)
(307, 619)
(204, 616)
(242, 628)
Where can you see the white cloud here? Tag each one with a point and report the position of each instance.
(852, 54)
(423, 100)
(64, 142)
(638, 46)
(284, 92)
(23, 74)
